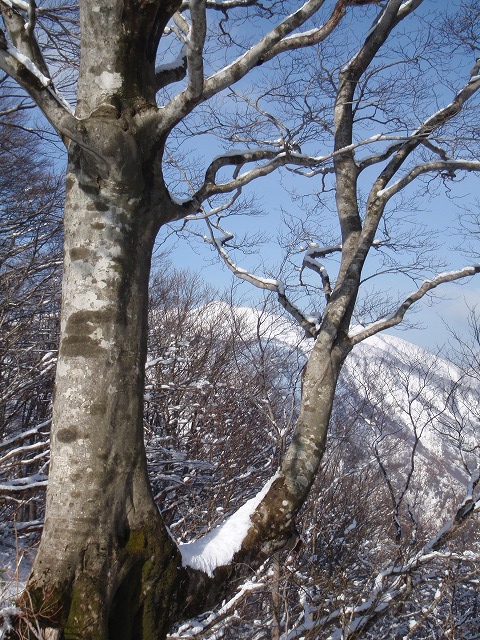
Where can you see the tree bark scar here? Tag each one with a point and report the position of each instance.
(68, 434)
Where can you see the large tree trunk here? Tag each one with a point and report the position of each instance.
(104, 546)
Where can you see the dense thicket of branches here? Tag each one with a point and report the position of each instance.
(31, 204)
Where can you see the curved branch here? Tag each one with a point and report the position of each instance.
(240, 67)
(396, 317)
(424, 132)
(440, 166)
(379, 194)
(310, 261)
(312, 37)
(40, 88)
(210, 188)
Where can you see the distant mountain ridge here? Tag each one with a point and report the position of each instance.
(428, 405)
(415, 411)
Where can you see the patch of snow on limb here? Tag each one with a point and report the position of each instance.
(19, 4)
(217, 548)
(175, 64)
(62, 100)
(108, 80)
(28, 64)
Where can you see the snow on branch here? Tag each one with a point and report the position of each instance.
(431, 124)
(38, 430)
(215, 211)
(214, 622)
(309, 325)
(218, 547)
(23, 60)
(311, 261)
(389, 585)
(20, 451)
(396, 317)
(22, 485)
(20, 28)
(40, 88)
(173, 71)
(441, 166)
(17, 4)
(311, 37)
(185, 101)
(240, 67)
(267, 160)
(28, 64)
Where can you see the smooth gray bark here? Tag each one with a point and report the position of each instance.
(104, 543)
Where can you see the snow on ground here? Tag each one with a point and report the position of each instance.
(15, 566)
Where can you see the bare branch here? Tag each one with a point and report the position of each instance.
(195, 50)
(270, 284)
(396, 317)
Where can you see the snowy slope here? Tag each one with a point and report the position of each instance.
(415, 414)
(419, 415)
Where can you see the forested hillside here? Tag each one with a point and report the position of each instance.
(383, 543)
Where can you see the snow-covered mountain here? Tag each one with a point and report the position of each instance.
(419, 416)
(416, 416)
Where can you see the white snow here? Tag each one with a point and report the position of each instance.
(20, 484)
(217, 548)
(29, 65)
(62, 100)
(19, 4)
(175, 64)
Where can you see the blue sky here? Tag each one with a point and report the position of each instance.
(447, 308)
(437, 212)
(450, 305)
